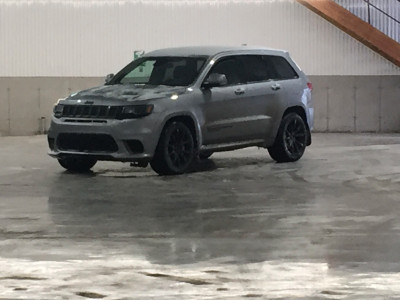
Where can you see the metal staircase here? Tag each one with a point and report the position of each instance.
(384, 15)
(376, 25)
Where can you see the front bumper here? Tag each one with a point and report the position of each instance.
(129, 140)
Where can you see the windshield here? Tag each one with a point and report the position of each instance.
(172, 71)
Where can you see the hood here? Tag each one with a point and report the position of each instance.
(126, 92)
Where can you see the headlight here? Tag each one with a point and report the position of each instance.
(135, 111)
(58, 110)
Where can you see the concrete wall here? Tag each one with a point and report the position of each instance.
(357, 103)
(25, 101)
(342, 103)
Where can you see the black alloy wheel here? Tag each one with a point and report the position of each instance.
(291, 140)
(295, 137)
(180, 147)
(175, 151)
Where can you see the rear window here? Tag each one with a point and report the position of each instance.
(282, 69)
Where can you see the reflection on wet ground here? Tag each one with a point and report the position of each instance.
(238, 226)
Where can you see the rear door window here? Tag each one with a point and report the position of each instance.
(256, 69)
(281, 68)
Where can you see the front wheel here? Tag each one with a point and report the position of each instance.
(77, 164)
(291, 140)
(205, 154)
(175, 150)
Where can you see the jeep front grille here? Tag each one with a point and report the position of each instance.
(91, 111)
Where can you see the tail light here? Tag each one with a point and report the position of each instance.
(309, 85)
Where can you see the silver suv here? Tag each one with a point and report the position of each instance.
(173, 106)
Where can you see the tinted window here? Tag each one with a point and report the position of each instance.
(281, 67)
(256, 68)
(231, 68)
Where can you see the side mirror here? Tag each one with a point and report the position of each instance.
(109, 77)
(214, 80)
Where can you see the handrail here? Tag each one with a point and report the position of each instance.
(369, 4)
(356, 27)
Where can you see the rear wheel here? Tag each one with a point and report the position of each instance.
(291, 140)
(77, 164)
(175, 150)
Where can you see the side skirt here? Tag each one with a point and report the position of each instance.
(232, 146)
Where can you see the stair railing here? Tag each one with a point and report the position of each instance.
(369, 5)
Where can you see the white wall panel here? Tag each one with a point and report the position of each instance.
(93, 38)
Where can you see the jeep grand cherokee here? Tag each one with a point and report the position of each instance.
(172, 106)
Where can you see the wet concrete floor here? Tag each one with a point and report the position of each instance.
(241, 226)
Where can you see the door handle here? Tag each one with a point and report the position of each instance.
(276, 86)
(239, 91)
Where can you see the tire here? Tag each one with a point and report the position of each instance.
(175, 150)
(204, 155)
(291, 140)
(77, 164)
